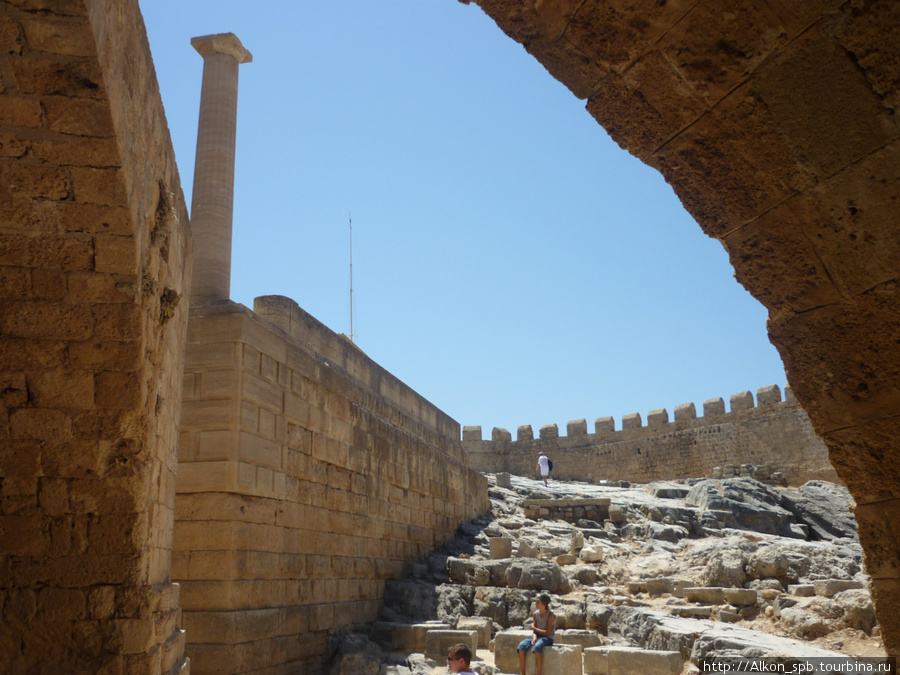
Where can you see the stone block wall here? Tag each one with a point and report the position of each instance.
(569, 510)
(94, 251)
(308, 475)
(773, 432)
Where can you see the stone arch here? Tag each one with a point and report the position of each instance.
(775, 121)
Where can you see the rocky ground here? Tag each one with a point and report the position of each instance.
(703, 567)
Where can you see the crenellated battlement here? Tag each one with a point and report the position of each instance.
(769, 430)
(604, 427)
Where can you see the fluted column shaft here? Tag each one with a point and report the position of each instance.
(212, 202)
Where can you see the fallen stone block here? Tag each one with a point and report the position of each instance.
(481, 624)
(727, 615)
(634, 587)
(438, 642)
(612, 660)
(693, 612)
(594, 659)
(501, 547)
(505, 642)
(591, 554)
(560, 658)
(709, 595)
(411, 637)
(740, 597)
(828, 587)
(680, 585)
(572, 636)
(527, 549)
(659, 586)
(617, 514)
(802, 590)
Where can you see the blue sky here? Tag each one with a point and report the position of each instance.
(510, 262)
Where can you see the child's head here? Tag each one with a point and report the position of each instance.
(459, 657)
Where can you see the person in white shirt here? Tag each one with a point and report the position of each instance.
(544, 466)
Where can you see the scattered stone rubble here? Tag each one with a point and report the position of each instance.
(646, 579)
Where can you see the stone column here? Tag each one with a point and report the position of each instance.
(212, 203)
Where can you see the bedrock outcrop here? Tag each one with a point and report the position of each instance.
(703, 568)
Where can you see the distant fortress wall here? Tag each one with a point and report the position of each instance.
(772, 432)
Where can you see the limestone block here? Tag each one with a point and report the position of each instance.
(691, 611)
(411, 637)
(658, 417)
(660, 586)
(504, 481)
(501, 547)
(500, 435)
(631, 421)
(576, 428)
(680, 585)
(566, 559)
(209, 355)
(768, 395)
(706, 595)
(625, 661)
(727, 616)
(439, 641)
(576, 541)
(505, 643)
(713, 407)
(574, 636)
(560, 658)
(207, 476)
(740, 597)
(472, 433)
(617, 513)
(481, 624)
(525, 433)
(527, 549)
(743, 400)
(828, 587)
(803, 590)
(594, 659)
(604, 426)
(591, 553)
(685, 411)
(549, 431)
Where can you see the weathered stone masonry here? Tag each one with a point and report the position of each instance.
(775, 121)
(94, 251)
(774, 433)
(776, 124)
(307, 476)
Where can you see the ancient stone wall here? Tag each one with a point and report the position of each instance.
(94, 245)
(774, 433)
(307, 476)
(776, 124)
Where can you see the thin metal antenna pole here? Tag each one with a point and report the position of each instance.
(350, 218)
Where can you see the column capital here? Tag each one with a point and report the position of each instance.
(221, 43)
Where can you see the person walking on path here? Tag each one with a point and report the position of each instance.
(543, 628)
(544, 466)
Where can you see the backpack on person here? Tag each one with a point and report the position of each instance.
(549, 465)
